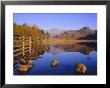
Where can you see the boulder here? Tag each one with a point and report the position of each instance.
(22, 61)
(23, 68)
(30, 62)
(55, 63)
(81, 68)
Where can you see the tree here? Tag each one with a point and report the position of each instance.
(36, 34)
(25, 24)
(47, 35)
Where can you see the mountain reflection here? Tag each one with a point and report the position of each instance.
(84, 48)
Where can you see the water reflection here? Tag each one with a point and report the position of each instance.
(84, 48)
(68, 55)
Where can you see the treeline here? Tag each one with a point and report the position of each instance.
(37, 35)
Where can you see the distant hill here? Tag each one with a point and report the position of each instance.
(53, 32)
(90, 37)
(83, 33)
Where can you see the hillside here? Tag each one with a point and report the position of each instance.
(90, 37)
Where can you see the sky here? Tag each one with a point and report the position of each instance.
(63, 21)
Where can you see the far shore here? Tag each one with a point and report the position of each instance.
(65, 41)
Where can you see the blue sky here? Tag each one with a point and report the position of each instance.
(64, 21)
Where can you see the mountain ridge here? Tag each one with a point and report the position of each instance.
(83, 33)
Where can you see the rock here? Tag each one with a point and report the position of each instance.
(30, 62)
(55, 63)
(22, 61)
(40, 57)
(81, 68)
(23, 68)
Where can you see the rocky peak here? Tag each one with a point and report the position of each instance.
(86, 30)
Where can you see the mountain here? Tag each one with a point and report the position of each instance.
(83, 33)
(90, 36)
(53, 32)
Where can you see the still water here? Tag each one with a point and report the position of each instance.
(68, 56)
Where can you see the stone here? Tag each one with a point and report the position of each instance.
(55, 63)
(22, 61)
(23, 68)
(81, 68)
(30, 62)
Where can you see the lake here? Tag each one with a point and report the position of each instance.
(67, 55)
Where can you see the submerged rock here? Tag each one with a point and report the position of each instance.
(88, 57)
(55, 63)
(81, 68)
(40, 57)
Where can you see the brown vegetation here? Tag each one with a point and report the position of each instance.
(54, 41)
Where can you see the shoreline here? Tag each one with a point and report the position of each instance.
(65, 41)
